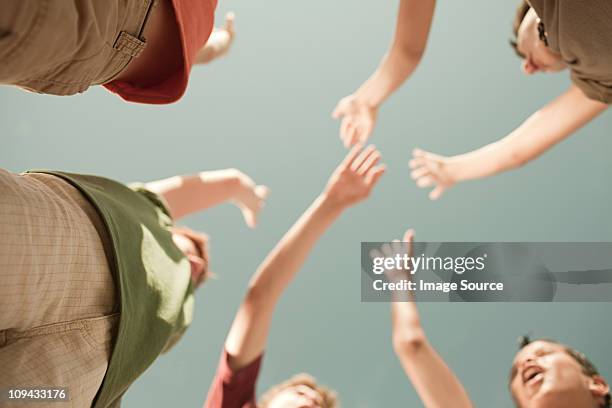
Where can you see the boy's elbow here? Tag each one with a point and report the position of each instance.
(409, 344)
(411, 55)
(406, 55)
(414, 54)
(261, 296)
(254, 295)
(517, 159)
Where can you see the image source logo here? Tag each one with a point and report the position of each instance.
(487, 272)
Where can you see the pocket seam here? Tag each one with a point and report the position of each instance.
(86, 330)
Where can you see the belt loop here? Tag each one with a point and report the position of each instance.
(128, 44)
(133, 45)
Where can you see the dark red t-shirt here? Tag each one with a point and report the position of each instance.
(195, 20)
(233, 389)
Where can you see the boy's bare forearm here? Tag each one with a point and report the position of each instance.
(280, 266)
(192, 193)
(541, 131)
(433, 380)
(431, 377)
(411, 33)
(393, 71)
(349, 184)
(248, 335)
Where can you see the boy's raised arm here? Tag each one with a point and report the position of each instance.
(433, 380)
(350, 183)
(189, 194)
(540, 132)
(359, 110)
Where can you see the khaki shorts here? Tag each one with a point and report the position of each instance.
(58, 301)
(63, 47)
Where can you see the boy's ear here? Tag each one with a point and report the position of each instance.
(599, 387)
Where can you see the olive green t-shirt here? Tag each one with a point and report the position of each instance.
(581, 31)
(151, 273)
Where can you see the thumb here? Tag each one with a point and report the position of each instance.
(436, 192)
(408, 239)
(409, 236)
(338, 111)
(250, 218)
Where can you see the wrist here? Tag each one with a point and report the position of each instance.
(234, 183)
(458, 168)
(329, 205)
(364, 97)
(229, 180)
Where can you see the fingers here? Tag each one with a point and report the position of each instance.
(369, 163)
(409, 240)
(357, 120)
(362, 158)
(375, 174)
(337, 112)
(229, 21)
(350, 132)
(419, 158)
(356, 134)
(425, 159)
(426, 172)
(249, 217)
(356, 131)
(397, 246)
(352, 135)
(250, 208)
(375, 253)
(344, 127)
(262, 192)
(364, 163)
(419, 172)
(394, 247)
(436, 192)
(416, 163)
(340, 109)
(409, 236)
(425, 181)
(351, 156)
(365, 131)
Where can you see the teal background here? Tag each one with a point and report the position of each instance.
(266, 110)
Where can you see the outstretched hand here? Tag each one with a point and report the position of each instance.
(430, 169)
(219, 42)
(250, 198)
(354, 178)
(390, 250)
(224, 37)
(358, 120)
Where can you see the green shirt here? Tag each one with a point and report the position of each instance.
(152, 275)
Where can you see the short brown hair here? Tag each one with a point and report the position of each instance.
(588, 368)
(521, 12)
(329, 397)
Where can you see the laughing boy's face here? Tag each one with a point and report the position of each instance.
(544, 374)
